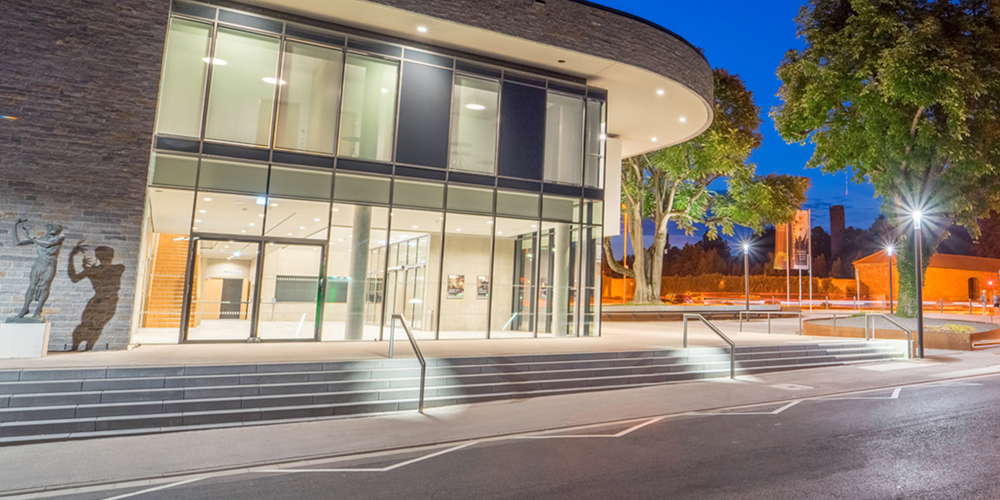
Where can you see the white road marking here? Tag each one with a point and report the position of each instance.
(773, 412)
(895, 395)
(158, 488)
(382, 469)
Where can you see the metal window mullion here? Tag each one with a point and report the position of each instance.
(213, 46)
(255, 300)
(395, 119)
(279, 71)
(489, 288)
(444, 227)
(339, 118)
(385, 264)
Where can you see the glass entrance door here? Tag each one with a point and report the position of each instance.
(222, 289)
(290, 291)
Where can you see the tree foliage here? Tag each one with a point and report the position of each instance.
(903, 93)
(674, 184)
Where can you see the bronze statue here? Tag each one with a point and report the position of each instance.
(43, 271)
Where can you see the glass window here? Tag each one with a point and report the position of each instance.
(182, 86)
(564, 139)
(161, 266)
(517, 204)
(596, 137)
(590, 307)
(417, 194)
(468, 199)
(310, 91)
(300, 183)
(513, 280)
(367, 118)
(229, 214)
(593, 212)
(474, 125)
(557, 269)
(297, 219)
(361, 189)
(561, 208)
(232, 176)
(412, 288)
(289, 291)
(242, 94)
(465, 296)
(355, 272)
(168, 170)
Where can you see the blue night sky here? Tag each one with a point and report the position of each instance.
(750, 39)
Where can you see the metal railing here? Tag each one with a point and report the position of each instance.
(769, 313)
(732, 345)
(909, 336)
(416, 350)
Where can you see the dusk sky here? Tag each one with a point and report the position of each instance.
(750, 39)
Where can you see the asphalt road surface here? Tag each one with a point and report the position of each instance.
(933, 441)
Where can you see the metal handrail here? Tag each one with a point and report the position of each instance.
(732, 345)
(769, 313)
(909, 336)
(416, 350)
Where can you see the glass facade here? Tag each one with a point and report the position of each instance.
(317, 199)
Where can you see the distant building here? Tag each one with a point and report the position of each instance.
(951, 277)
(836, 231)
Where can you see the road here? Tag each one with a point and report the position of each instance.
(931, 441)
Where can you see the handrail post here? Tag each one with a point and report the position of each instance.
(741, 320)
(768, 323)
(392, 334)
(416, 350)
(685, 331)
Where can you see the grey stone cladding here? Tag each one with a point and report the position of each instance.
(81, 78)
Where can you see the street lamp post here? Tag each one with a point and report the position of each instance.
(918, 250)
(888, 251)
(746, 271)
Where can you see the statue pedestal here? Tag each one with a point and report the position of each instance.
(24, 340)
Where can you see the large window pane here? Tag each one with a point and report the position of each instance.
(466, 292)
(229, 214)
(591, 261)
(296, 219)
(596, 138)
(513, 282)
(161, 266)
(470, 199)
(558, 271)
(361, 189)
(289, 291)
(355, 272)
(517, 204)
(309, 95)
(169, 170)
(368, 113)
(417, 194)
(182, 86)
(564, 139)
(242, 94)
(232, 176)
(561, 208)
(300, 183)
(414, 250)
(474, 125)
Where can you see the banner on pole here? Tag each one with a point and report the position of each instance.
(781, 246)
(801, 233)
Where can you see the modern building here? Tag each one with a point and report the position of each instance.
(950, 277)
(290, 170)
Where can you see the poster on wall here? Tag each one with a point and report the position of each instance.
(800, 235)
(483, 287)
(456, 286)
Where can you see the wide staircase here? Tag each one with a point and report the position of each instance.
(165, 296)
(55, 404)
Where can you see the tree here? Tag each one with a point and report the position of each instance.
(674, 184)
(903, 93)
(988, 243)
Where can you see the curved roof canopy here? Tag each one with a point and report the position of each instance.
(659, 86)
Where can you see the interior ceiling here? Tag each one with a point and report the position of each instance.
(637, 113)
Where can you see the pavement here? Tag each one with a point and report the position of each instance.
(48, 469)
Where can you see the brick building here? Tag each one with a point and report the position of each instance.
(951, 277)
(226, 172)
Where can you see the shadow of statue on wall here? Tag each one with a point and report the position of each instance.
(106, 278)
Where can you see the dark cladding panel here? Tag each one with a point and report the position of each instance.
(522, 131)
(424, 111)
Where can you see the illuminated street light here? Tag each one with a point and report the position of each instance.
(746, 271)
(888, 251)
(918, 250)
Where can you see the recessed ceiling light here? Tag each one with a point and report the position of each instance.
(272, 81)
(260, 215)
(683, 119)
(289, 234)
(660, 92)
(194, 229)
(475, 107)
(208, 199)
(302, 227)
(202, 211)
(317, 220)
(385, 90)
(459, 230)
(414, 227)
(217, 61)
(251, 223)
(243, 231)
(342, 239)
(197, 220)
(422, 29)
(655, 139)
(499, 232)
(336, 210)
(534, 225)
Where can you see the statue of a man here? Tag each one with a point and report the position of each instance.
(43, 271)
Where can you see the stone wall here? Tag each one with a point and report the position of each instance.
(81, 78)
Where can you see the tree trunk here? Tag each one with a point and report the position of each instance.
(906, 268)
(644, 291)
